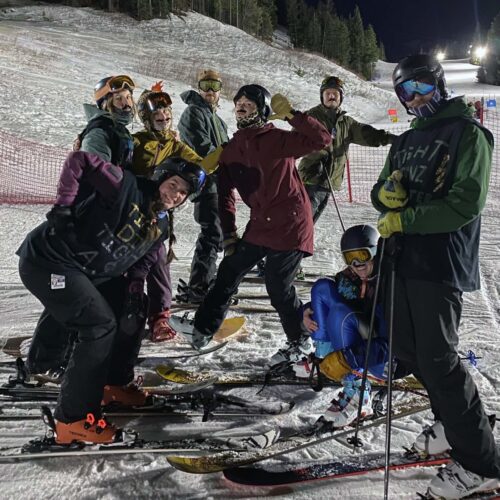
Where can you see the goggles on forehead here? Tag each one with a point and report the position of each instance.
(406, 91)
(207, 85)
(358, 256)
(114, 84)
(158, 101)
(332, 80)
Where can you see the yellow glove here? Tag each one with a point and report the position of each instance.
(393, 194)
(335, 366)
(389, 223)
(230, 243)
(211, 162)
(282, 109)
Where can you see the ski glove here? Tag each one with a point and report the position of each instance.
(61, 221)
(211, 162)
(230, 243)
(389, 223)
(335, 366)
(282, 109)
(134, 311)
(392, 194)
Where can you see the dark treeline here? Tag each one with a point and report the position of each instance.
(318, 29)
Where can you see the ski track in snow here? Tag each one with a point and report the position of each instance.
(58, 53)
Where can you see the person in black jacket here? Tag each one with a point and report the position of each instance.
(74, 264)
(204, 131)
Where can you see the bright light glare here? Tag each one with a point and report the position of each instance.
(480, 52)
(440, 56)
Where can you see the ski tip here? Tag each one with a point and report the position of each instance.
(193, 465)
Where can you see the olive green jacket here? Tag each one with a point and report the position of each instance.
(345, 130)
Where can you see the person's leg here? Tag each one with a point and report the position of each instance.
(280, 271)
(435, 311)
(204, 263)
(232, 269)
(78, 306)
(318, 198)
(159, 285)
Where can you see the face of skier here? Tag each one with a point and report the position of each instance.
(363, 271)
(244, 107)
(173, 192)
(161, 119)
(210, 96)
(420, 100)
(122, 100)
(331, 98)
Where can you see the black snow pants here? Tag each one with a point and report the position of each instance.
(101, 354)
(206, 214)
(280, 271)
(426, 320)
(318, 196)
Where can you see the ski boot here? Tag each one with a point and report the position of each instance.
(186, 328)
(159, 327)
(431, 441)
(88, 430)
(126, 395)
(292, 352)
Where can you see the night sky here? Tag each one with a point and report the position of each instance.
(408, 26)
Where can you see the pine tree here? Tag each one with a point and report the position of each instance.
(381, 51)
(250, 17)
(341, 41)
(370, 52)
(292, 11)
(356, 34)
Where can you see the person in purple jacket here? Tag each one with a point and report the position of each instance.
(74, 264)
(259, 161)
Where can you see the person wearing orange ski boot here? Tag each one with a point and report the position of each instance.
(74, 264)
(430, 195)
(338, 319)
(259, 161)
(153, 145)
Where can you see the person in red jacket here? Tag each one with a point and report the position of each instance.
(259, 161)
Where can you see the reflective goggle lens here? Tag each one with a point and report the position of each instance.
(358, 256)
(407, 90)
(207, 85)
(158, 101)
(114, 84)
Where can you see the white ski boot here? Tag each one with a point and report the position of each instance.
(453, 481)
(185, 326)
(431, 441)
(292, 352)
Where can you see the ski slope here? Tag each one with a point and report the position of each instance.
(50, 59)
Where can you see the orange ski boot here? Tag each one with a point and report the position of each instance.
(86, 430)
(126, 395)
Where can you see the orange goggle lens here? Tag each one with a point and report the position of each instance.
(115, 84)
(357, 256)
(207, 85)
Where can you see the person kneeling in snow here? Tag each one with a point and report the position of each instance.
(338, 318)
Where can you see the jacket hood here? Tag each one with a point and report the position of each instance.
(452, 108)
(192, 98)
(92, 111)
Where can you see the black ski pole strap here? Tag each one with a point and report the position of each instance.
(279, 369)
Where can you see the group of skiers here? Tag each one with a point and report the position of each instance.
(103, 241)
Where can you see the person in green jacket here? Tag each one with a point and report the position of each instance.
(430, 194)
(331, 161)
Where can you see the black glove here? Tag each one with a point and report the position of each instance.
(61, 220)
(134, 313)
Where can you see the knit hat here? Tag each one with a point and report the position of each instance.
(209, 74)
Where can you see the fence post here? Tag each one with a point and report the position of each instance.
(349, 187)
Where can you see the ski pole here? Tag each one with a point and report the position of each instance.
(354, 440)
(335, 202)
(389, 383)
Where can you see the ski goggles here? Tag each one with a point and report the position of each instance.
(206, 85)
(158, 101)
(114, 84)
(406, 91)
(358, 256)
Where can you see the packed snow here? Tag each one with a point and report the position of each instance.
(50, 59)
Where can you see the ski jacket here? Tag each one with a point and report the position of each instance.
(446, 164)
(200, 126)
(260, 164)
(344, 130)
(151, 148)
(106, 137)
(110, 226)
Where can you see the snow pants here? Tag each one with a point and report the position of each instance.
(208, 244)
(426, 319)
(101, 354)
(159, 284)
(340, 328)
(280, 271)
(318, 196)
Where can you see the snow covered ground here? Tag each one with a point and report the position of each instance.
(50, 58)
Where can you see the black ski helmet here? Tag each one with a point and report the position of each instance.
(259, 95)
(360, 237)
(418, 65)
(332, 82)
(193, 174)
